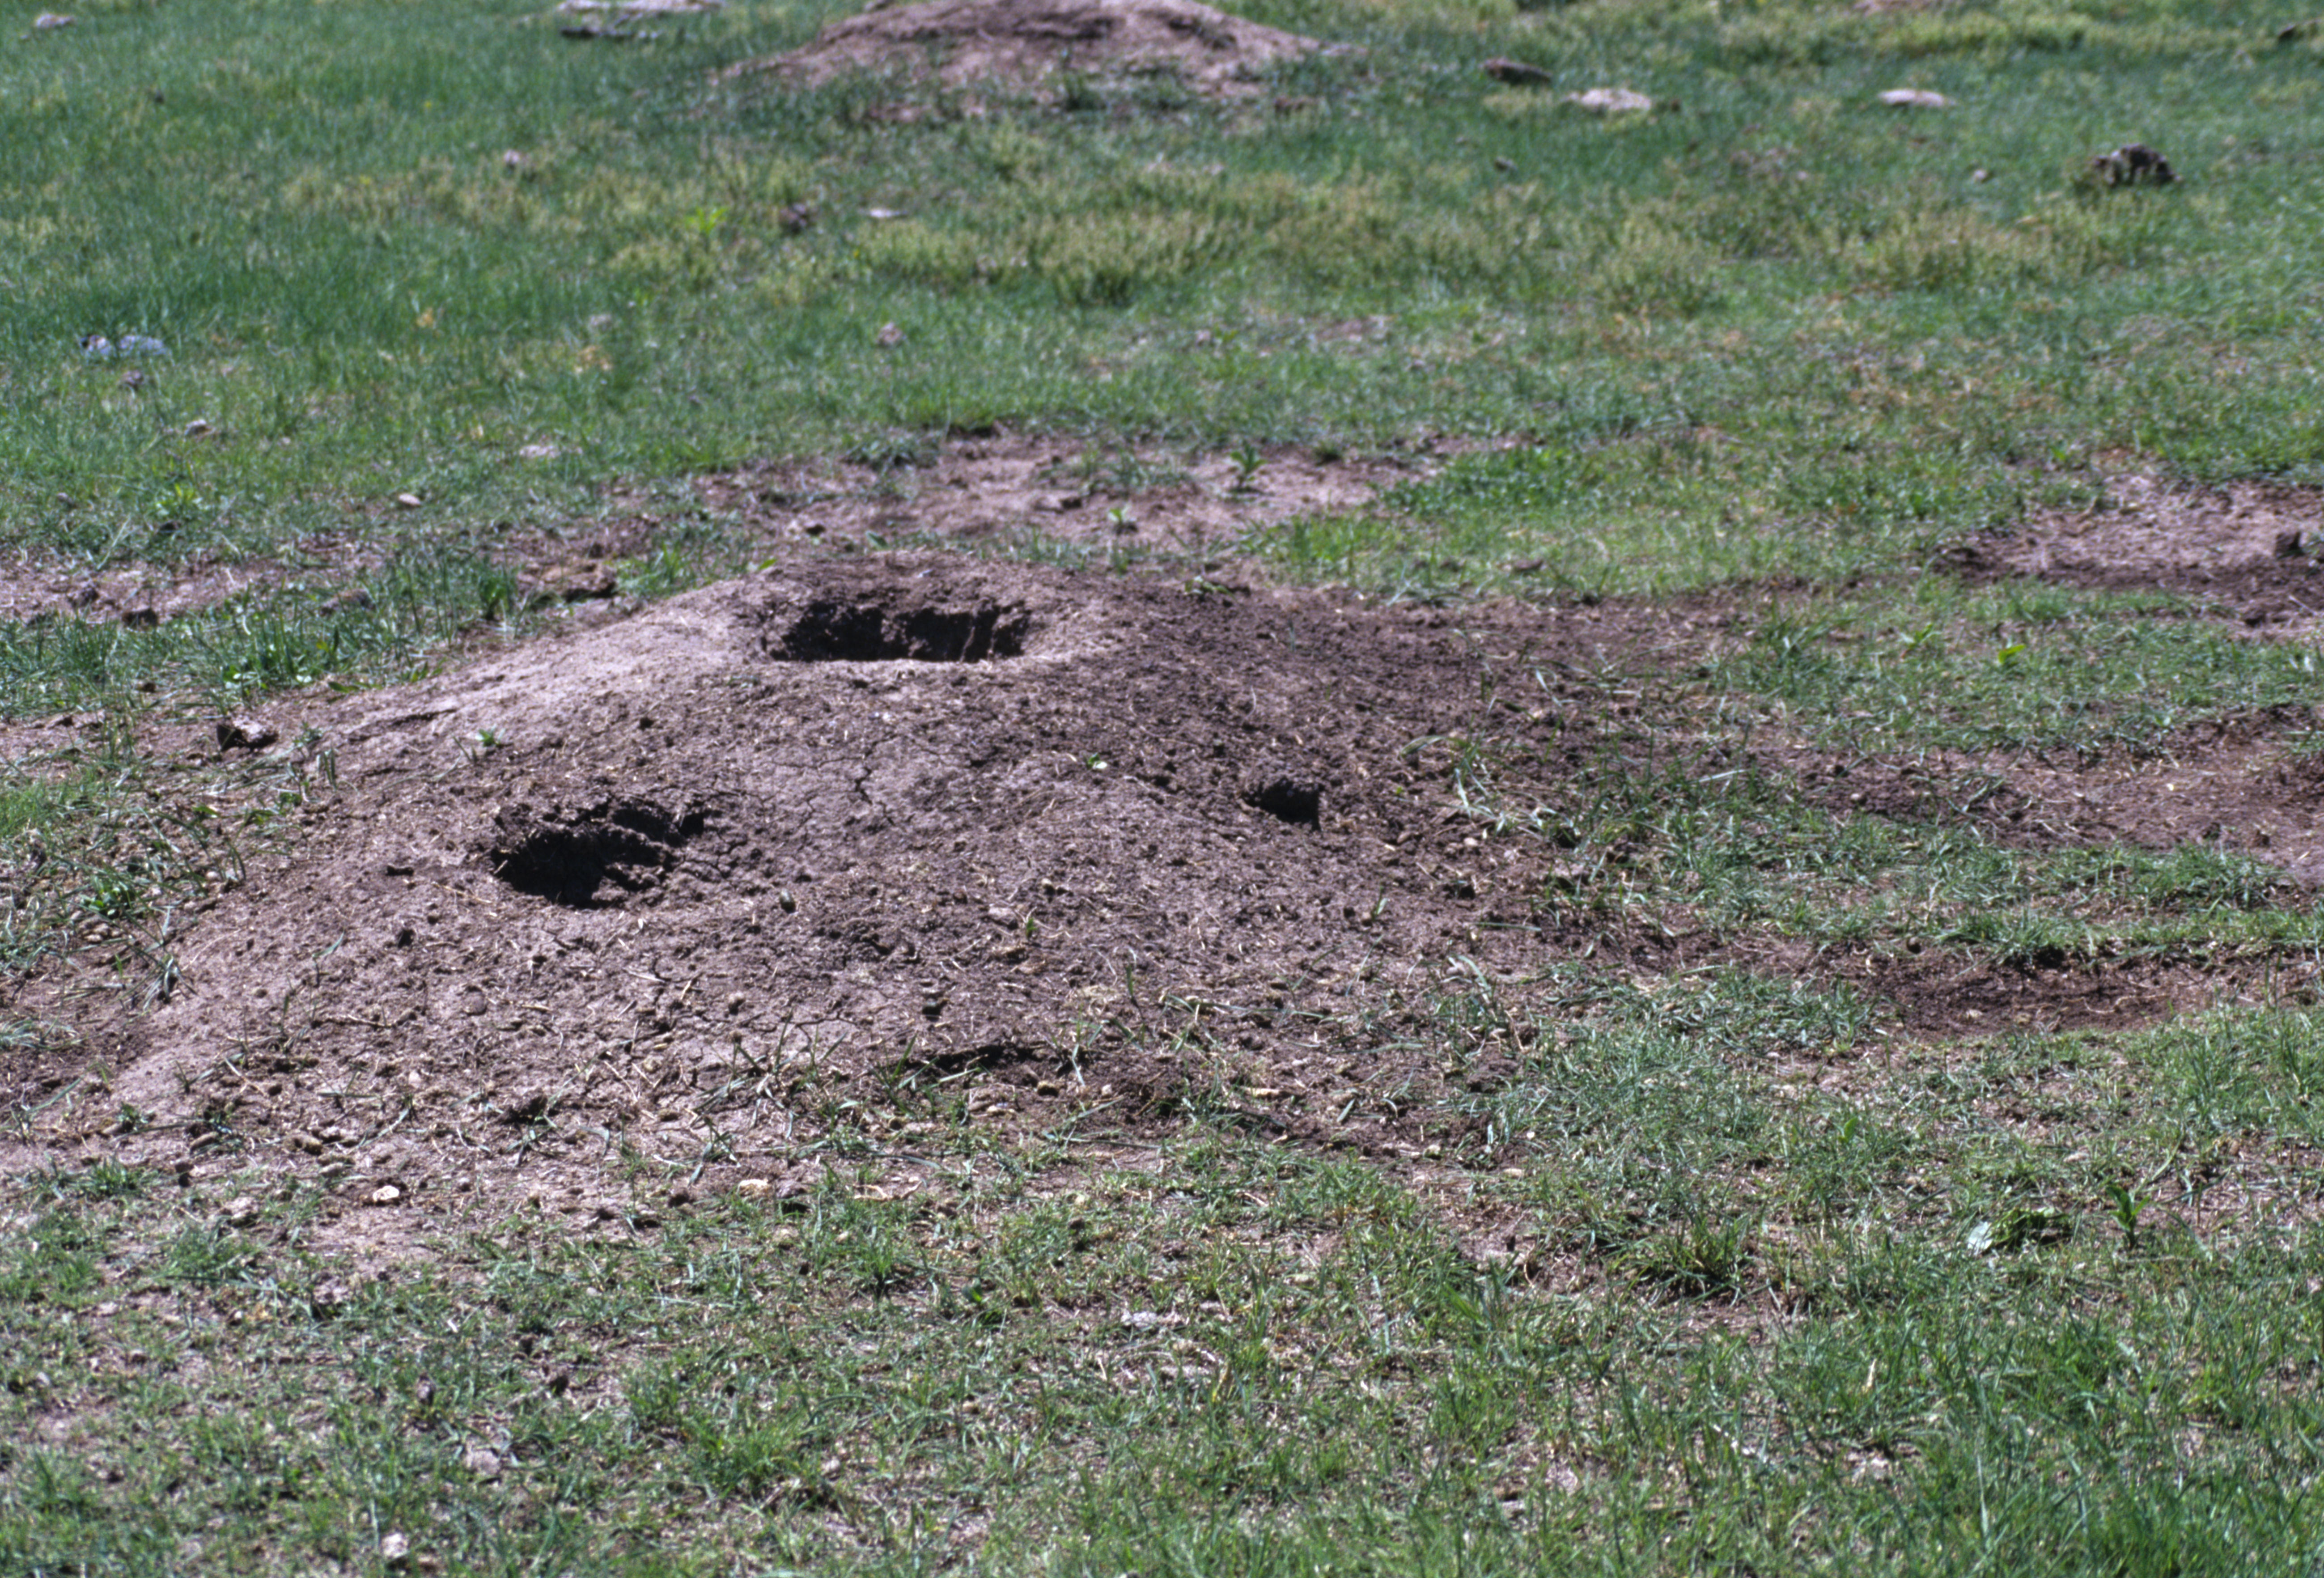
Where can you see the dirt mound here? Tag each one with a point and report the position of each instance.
(703, 877)
(1030, 45)
(2251, 782)
(695, 890)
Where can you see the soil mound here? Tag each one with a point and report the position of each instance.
(1029, 46)
(703, 886)
(703, 877)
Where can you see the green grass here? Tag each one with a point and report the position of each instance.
(1780, 304)
(1710, 1270)
(1754, 1324)
(2031, 668)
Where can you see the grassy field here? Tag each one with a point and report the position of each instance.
(1736, 1274)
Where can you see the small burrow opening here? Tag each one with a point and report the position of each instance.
(1296, 800)
(594, 856)
(835, 630)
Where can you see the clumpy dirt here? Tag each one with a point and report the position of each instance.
(1025, 48)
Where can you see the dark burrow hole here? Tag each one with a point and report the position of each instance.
(835, 631)
(1297, 801)
(571, 859)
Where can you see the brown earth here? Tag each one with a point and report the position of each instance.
(1000, 486)
(1018, 47)
(699, 876)
(707, 883)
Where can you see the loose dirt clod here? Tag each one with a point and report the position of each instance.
(244, 734)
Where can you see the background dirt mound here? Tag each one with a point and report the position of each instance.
(1026, 44)
(1003, 485)
(2251, 782)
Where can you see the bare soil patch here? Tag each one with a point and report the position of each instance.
(1943, 994)
(1014, 47)
(2251, 554)
(135, 594)
(1001, 485)
(2252, 783)
(2256, 548)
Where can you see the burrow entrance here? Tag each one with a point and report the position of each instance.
(1288, 797)
(596, 855)
(878, 630)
